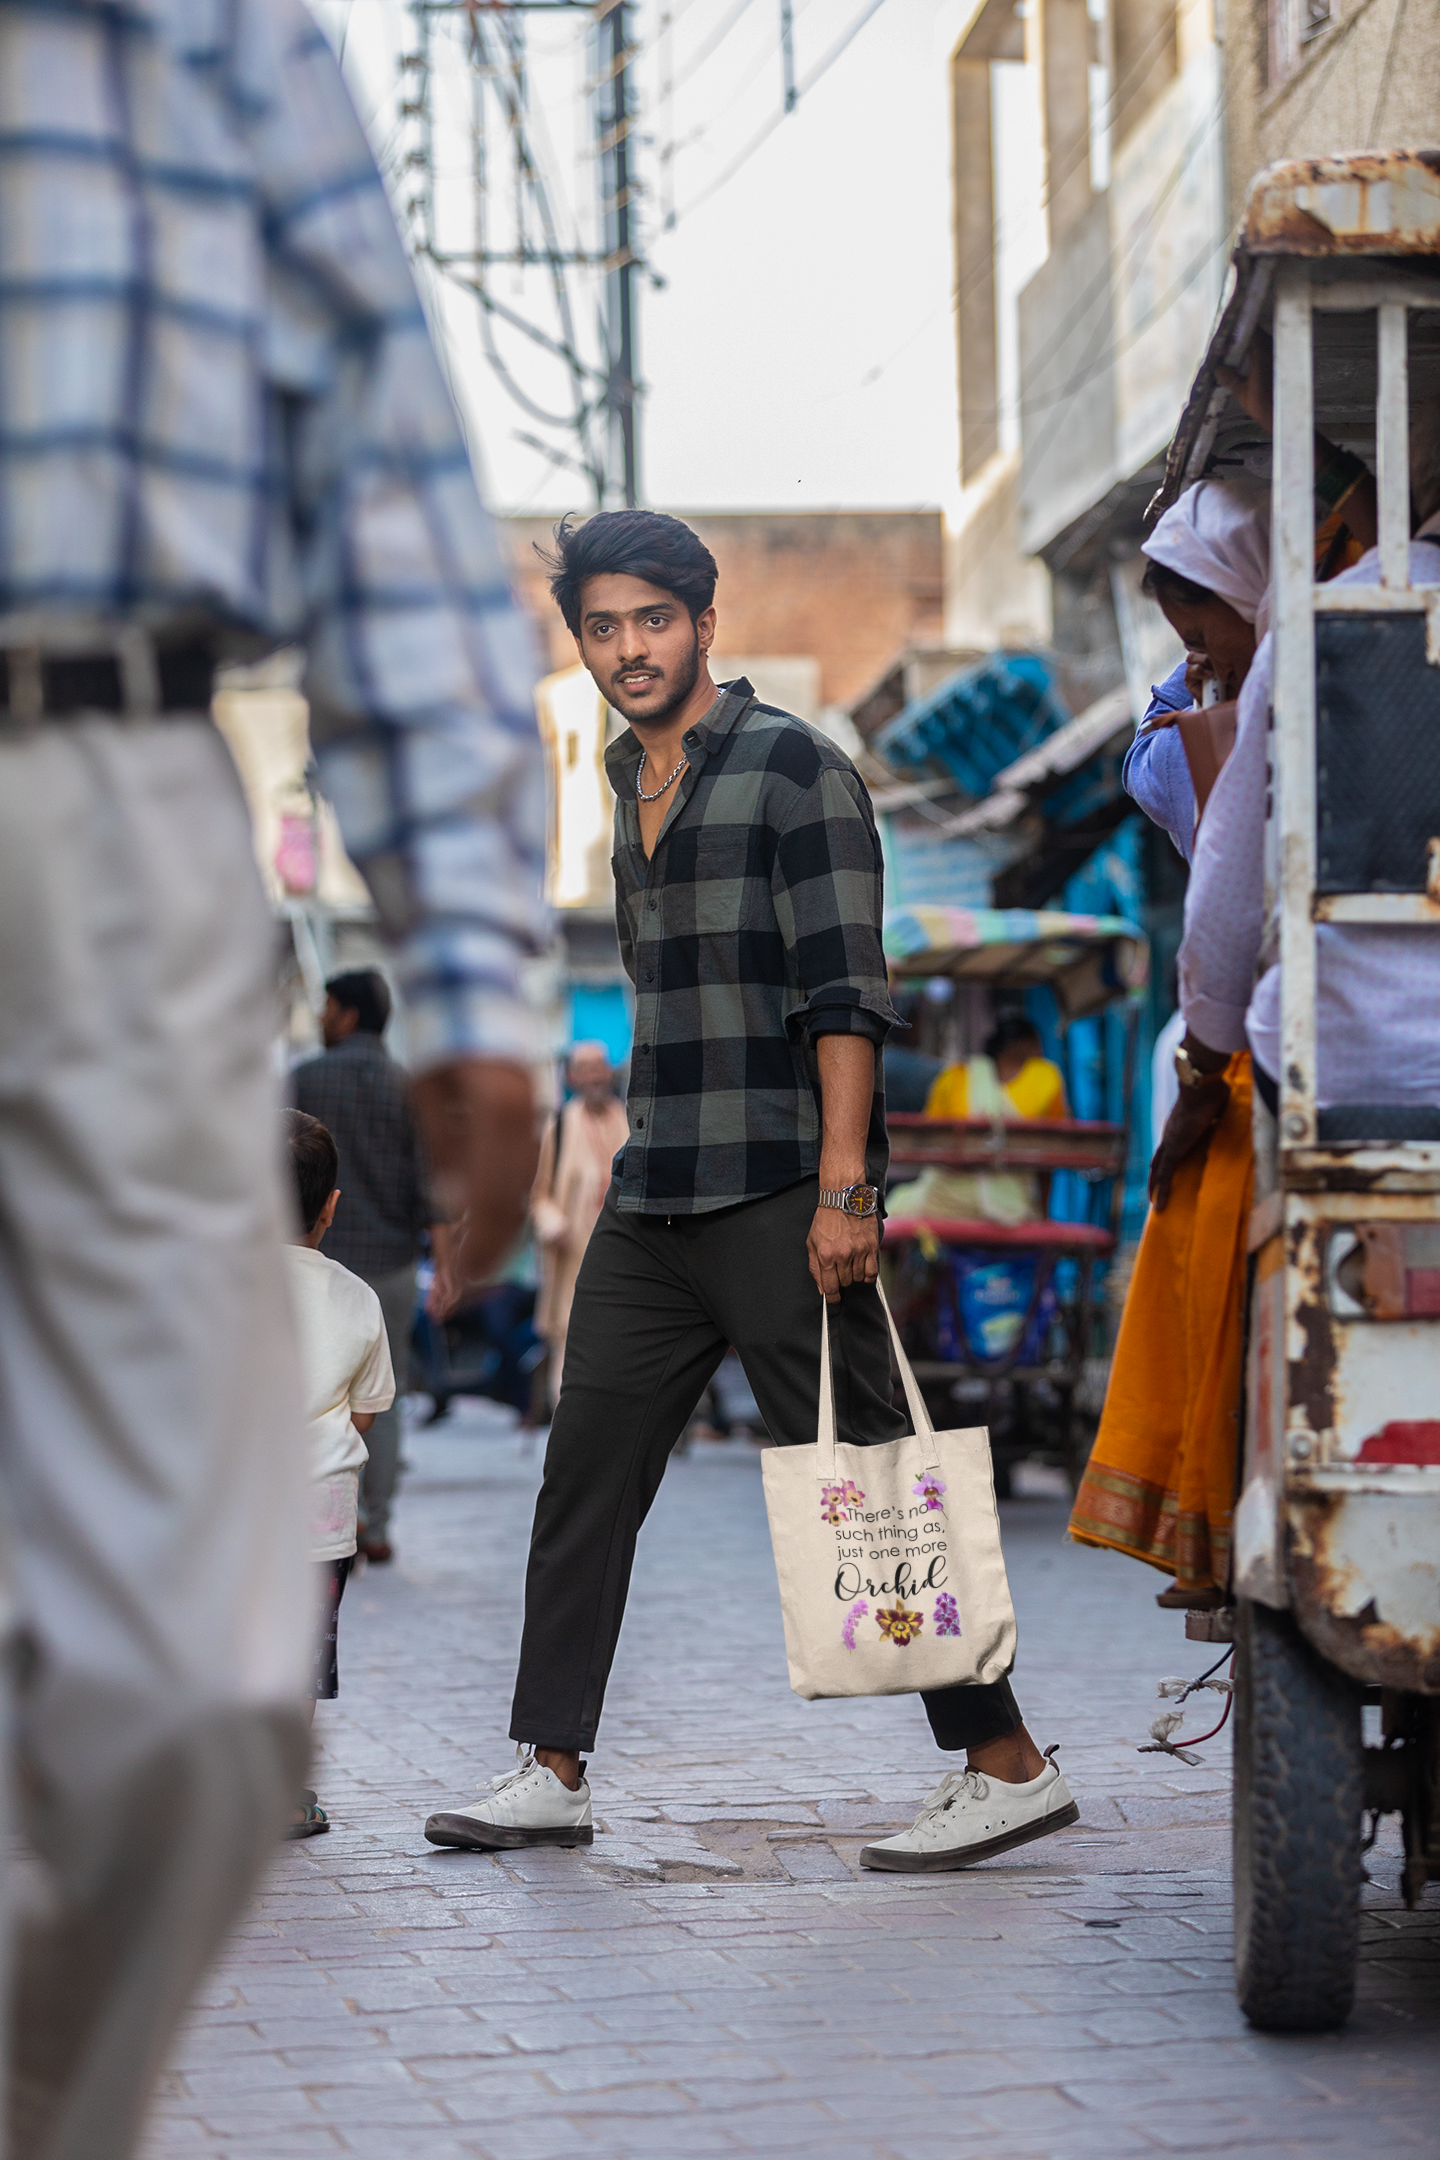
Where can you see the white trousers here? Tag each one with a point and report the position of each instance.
(152, 1557)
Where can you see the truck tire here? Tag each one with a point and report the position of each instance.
(1298, 1798)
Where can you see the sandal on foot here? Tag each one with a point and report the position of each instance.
(314, 1822)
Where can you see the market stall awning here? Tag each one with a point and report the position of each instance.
(1089, 961)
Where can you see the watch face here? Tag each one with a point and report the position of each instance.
(860, 1200)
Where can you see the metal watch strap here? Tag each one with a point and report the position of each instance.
(839, 1197)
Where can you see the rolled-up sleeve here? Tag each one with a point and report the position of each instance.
(421, 666)
(1225, 902)
(828, 887)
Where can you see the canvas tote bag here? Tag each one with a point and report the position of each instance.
(891, 1574)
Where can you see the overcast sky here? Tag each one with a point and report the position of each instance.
(801, 352)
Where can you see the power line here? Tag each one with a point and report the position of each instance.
(601, 422)
(711, 44)
(801, 89)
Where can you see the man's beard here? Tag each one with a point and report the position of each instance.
(685, 680)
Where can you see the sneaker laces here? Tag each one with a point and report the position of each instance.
(956, 1785)
(524, 1764)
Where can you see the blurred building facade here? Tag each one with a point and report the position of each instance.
(1303, 78)
(323, 910)
(841, 589)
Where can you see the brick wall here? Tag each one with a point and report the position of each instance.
(851, 587)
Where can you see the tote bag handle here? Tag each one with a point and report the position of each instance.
(919, 1415)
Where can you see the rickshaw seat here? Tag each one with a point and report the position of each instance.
(1057, 1237)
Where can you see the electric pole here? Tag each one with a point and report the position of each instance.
(787, 52)
(602, 425)
(614, 116)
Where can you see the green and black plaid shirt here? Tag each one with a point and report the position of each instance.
(754, 929)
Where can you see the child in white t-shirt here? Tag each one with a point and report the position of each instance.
(345, 1359)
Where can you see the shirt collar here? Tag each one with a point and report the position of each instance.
(622, 758)
(361, 1043)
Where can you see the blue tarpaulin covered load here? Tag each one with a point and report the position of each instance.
(975, 723)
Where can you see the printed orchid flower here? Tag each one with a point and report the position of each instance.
(900, 1623)
(836, 1501)
(857, 1612)
(929, 1487)
(947, 1615)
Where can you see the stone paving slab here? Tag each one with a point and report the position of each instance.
(716, 1975)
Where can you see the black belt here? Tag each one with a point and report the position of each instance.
(92, 682)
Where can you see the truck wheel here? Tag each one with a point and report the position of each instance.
(1298, 1798)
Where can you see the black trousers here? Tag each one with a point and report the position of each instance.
(656, 1303)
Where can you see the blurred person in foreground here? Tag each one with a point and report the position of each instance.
(362, 1097)
(349, 1383)
(221, 427)
(748, 905)
(577, 1159)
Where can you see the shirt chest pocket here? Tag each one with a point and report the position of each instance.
(730, 891)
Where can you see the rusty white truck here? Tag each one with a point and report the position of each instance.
(1337, 1523)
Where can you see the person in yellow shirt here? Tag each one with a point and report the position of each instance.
(1033, 1085)
(1009, 1080)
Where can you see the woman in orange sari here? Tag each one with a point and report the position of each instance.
(1160, 1483)
(1161, 1479)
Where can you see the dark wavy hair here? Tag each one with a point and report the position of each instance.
(629, 543)
(1160, 582)
(315, 1160)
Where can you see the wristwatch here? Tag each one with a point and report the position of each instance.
(1189, 1074)
(852, 1199)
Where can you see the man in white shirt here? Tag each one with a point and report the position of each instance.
(348, 1380)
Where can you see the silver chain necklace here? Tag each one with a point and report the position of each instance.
(639, 775)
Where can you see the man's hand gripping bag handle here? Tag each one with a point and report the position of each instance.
(919, 1415)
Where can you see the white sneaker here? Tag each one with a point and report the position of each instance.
(969, 1817)
(528, 1806)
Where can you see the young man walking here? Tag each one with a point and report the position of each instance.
(748, 895)
(361, 1096)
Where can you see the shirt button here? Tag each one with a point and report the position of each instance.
(653, 905)
(644, 1049)
(649, 974)
(639, 1124)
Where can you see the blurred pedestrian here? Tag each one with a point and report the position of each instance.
(362, 1096)
(577, 1157)
(221, 429)
(348, 1380)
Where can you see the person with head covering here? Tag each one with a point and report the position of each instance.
(1209, 572)
(1160, 1480)
(1209, 559)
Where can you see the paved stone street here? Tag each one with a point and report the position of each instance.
(716, 1976)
